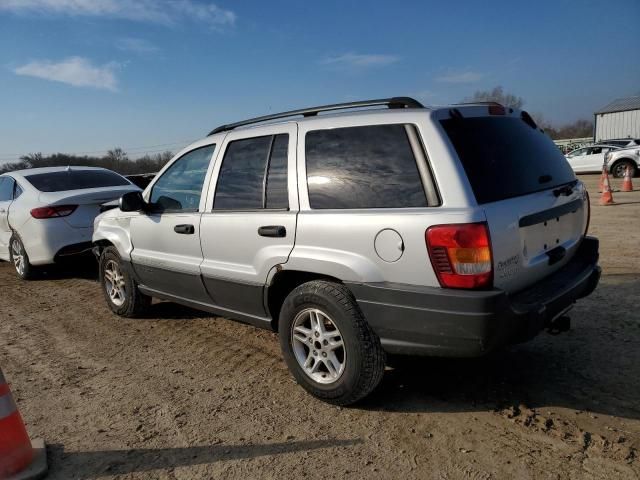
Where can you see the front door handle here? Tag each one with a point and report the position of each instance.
(272, 231)
(184, 229)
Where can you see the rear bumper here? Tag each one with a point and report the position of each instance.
(46, 240)
(73, 250)
(462, 323)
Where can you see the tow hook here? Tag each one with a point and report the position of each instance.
(559, 325)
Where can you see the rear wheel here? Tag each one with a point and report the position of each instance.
(327, 344)
(20, 259)
(119, 287)
(619, 168)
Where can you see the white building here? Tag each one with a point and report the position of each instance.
(618, 119)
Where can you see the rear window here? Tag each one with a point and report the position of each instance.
(504, 157)
(75, 180)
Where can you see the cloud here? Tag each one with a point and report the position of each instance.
(460, 77)
(166, 12)
(354, 60)
(136, 45)
(76, 71)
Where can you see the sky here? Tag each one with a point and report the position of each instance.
(84, 76)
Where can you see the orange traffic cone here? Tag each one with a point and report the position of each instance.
(627, 184)
(602, 175)
(607, 196)
(20, 459)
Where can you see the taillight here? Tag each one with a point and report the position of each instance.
(53, 211)
(497, 110)
(461, 255)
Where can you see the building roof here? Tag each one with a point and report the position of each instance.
(621, 105)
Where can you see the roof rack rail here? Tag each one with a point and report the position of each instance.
(480, 103)
(395, 102)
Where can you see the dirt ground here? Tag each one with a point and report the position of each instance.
(181, 395)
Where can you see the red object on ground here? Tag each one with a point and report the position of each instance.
(602, 175)
(18, 457)
(607, 196)
(627, 184)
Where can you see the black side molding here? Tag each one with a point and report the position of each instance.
(540, 217)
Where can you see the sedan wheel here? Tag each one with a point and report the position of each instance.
(114, 283)
(18, 255)
(19, 258)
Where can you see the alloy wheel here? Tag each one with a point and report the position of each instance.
(318, 346)
(114, 283)
(18, 254)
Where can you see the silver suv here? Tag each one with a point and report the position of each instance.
(385, 228)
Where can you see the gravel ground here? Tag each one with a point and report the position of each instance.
(182, 395)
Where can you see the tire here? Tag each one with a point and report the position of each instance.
(20, 259)
(618, 168)
(343, 374)
(118, 286)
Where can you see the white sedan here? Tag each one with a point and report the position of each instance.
(47, 214)
(589, 159)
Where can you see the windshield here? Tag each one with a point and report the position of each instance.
(505, 157)
(75, 180)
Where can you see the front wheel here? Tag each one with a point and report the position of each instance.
(619, 169)
(119, 288)
(327, 344)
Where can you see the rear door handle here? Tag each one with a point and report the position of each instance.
(184, 229)
(272, 231)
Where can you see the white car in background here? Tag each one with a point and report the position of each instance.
(47, 213)
(589, 159)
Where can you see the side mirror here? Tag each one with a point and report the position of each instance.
(132, 202)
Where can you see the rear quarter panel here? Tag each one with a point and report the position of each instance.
(341, 243)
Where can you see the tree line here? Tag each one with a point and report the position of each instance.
(579, 129)
(116, 160)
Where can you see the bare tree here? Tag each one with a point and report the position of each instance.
(116, 158)
(497, 94)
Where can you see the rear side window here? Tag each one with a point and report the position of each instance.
(362, 167)
(180, 186)
(504, 157)
(75, 180)
(6, 189)
(253, 175)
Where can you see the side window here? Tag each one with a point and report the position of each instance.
(362, 167)
(180, 187)
(276, 192)
(253, 174)
(6, 189)
(595, 150)
(17, 191)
